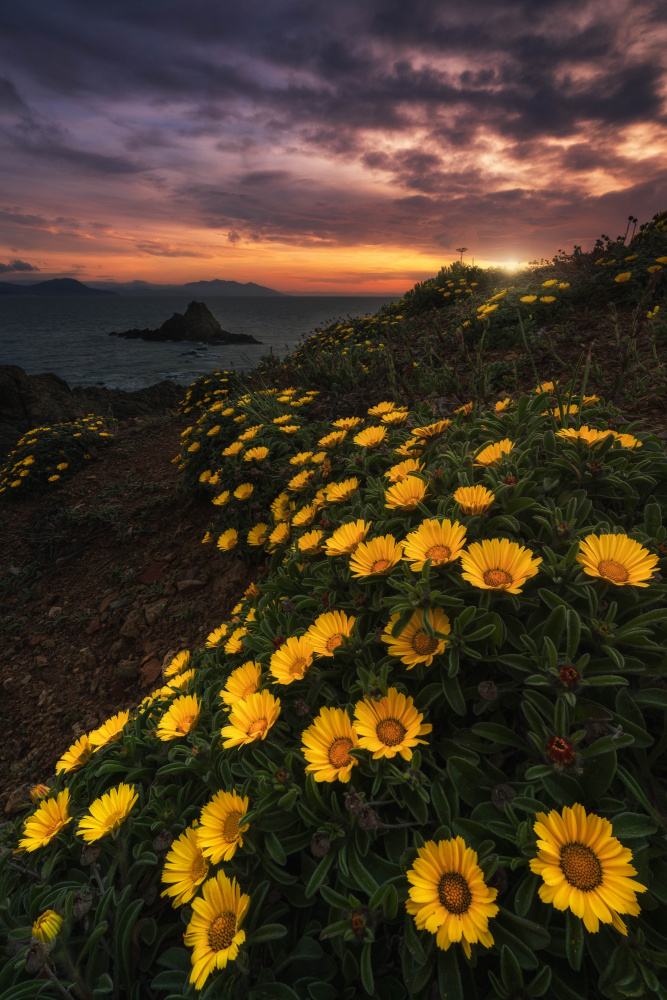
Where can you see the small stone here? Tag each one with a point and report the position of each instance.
(128, 669)
(94, 626)
(169, 589)
(88, 657)
(153, 573)
(41, 661)
(55, 610)
(44, 698)
(154, 611)
(187, 585)
(150, 672)
(133, 626)
(26, 678)
(16, 801)
(49, 644)
(8, 683)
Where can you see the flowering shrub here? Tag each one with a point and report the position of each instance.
(423, 759)
(45, 457)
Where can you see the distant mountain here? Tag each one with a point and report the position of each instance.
(56, 286)
(216, 288)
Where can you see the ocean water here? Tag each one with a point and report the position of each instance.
(69, 336)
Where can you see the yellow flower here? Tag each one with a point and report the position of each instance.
(550, 283)
(494, 452)
(330, 632)
(661, 260)
(305, 516)
(232, 449)
(617, 559)
(220, 833)
(585, 868)
(50, 817)
(409, 449)
(309, 543)
(221, 499)
(406, 494)
(442, 543)
(244, 491)
(546, 387)
(109, 731)
(503, 404)
(380, 409)
(279, 535)
(52, 479)
(389, 726)
(108, 813)
(528, 299)
(258, 534)
(179, 663)
(347, 423)
(379, 556)
(185, 868)
(290, 428)
(255, 454)
(345, 539)
(214, 931)
(568, 411)
(395, 417)
(242, 682)
(39, 792)
(251, 719)
(338, 492)
(547, 298)
(588, 435)
(47, 926)
(331, 440)
(234, 644)
(180, 718)
(213, 431)
(195, 446)
(431, 431)
(562, 285)
(282, 507)
(448, 895)
(284, 419)
(623, 277)
(414, 645)
(301, 459)
(326, 745)
(250, 433)
(399, 472)
(371, 437)
(627, 440)
(74, 758)
(63, 465)
(182, 681)
(498, 564)
(228, 540)
(300, 481)
(291, 661)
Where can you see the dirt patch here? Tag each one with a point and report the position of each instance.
(100, 580)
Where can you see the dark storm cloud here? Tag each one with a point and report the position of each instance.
(14, 266)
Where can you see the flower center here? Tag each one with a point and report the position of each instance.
(298, 668)
(114, 819)
(453, 893)
(230, 828)
(222, 930)
(185, 724)
(390, 732)
(333, 642)
(422, 643)
(580, 867)
(613, 571)
(438, 553)
(258, 727)
(338, 752)
(199, 867)
(380, 565)
(497, 579)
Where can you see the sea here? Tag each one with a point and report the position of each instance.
(68, 336)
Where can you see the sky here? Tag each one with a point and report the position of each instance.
(319, 147)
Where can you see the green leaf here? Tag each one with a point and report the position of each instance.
(366, 969)
(651, 698)
(468, 780)
(360, 873)
(627, 824)
(170, 979)
(510, 970)
(606, 744)
(454, 695)
(525, 894)
(269, 932)
(273, 991)
(449, 977)
(500, 734)
(320, 873)
(574, 940)
(539, 985)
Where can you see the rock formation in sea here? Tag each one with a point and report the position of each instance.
(196, 323)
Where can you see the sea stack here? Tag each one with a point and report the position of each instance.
(197, 323)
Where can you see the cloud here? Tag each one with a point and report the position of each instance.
(17, 265)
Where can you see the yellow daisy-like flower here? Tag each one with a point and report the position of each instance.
(77, 755)
(617, 559)
(568, 410)
(338, 492)
(623, 277)
(302, 458)
(379, 556)
(409, 449)
(300, 481)
(546, 387)
(333, 439)
(290, 428)
(397, 473)
(494, 452)
(406, 494)
(213, 431)
(442, 543)
(389, 726)
(345, 539)
(251, 719)
(584, 434)
(185, 868)
(474, 499)
(498, 564)
(326, 745)
(232, 449)
(234, 644)
(221, 499)
(250, 433)
(228, 540)
(414, 645)
(220, 833)
(258, 534)
(330, 632)
(214, 931)
(284, 419)
(282, 507)
(431, 431)
(63, 465)
(180, 682)
(291, 661)
(550, 283)
(305, 516)
(347, 423)
(395, 418)
(448, 895)
(195, 446)
(50, 817)
(47, 926)
(372, 437)
(279, 535)
(39, 792)
(503, 404)
(256, 454)
(52, 479)
(585, 868)
(310, 543)
(244, 491)
(242, 682)
(627, 440)
(380, 409)
(547, 298)
(109, 731)
(180, 718)
(528, 299)
(180, 662)
(108, 813)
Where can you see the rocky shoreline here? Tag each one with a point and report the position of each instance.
(28, 401)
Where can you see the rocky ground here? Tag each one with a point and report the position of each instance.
(100, 582)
